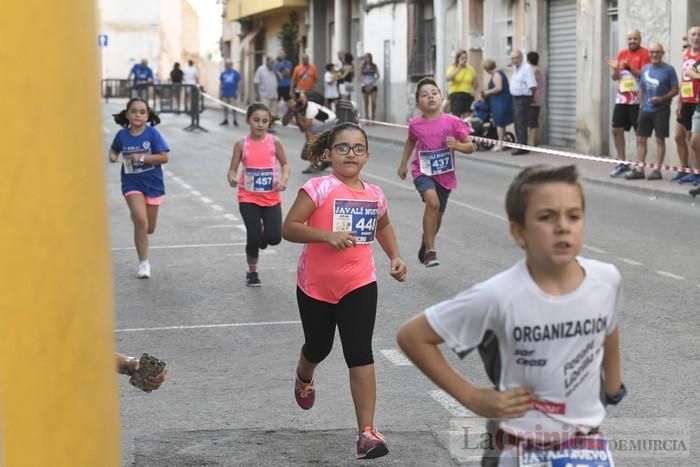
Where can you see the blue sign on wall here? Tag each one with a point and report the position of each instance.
(102, 40)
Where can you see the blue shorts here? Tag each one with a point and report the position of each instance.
(424, 183)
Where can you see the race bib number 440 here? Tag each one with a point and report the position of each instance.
(436, 162)
(588, 451)
(357, 216)
(259, 180)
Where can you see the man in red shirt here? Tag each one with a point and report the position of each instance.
(626, 70)
(305, 75)
(688, 102)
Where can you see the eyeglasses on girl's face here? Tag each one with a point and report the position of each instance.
(344, 149)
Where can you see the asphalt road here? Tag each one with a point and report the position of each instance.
(231, 350)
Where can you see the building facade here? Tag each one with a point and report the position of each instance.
(410, 39)
(161, 31)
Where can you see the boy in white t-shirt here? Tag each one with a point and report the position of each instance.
(552, 320)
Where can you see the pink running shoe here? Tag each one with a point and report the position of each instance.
(304, 393)
(371, 444)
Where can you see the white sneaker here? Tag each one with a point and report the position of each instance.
(144, 271)
(497, 148)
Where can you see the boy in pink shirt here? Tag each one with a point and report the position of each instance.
(338, 217)
(435, 137)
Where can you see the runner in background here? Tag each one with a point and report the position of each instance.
(143, 150)
(686, 107)
(435, 137)
(259, 186)
(555, 317)
(338, 217)
(626, 70)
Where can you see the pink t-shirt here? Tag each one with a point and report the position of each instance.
(257, 183)
(432, 157)
(325, 273)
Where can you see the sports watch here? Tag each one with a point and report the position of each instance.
(617, 398)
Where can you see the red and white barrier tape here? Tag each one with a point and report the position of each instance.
(554, 152)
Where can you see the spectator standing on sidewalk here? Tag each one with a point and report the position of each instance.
(283, 68)
(176, 77)
(522, 86)
(142, 78)
(330, 86)
(533, 116)
(462, 81)
(626, 70)
(688, 102)
(191, 74)
(265, 82)
(658, 85)
(694, 73)
(499, 100)
(370, 77)
(229, 79)
(305, 75)
(346, 76)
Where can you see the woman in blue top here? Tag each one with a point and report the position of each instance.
(499, 100)
(143, 150)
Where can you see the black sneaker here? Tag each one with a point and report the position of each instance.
(225, 122)
(311, 169)
(655, 175)
(635, 174)
(520, 152)
(252, 279)
(421, 253)
(694, 192)
(235, 123)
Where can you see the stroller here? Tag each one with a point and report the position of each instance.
(480, 123)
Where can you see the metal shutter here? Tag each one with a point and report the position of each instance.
(561, 73)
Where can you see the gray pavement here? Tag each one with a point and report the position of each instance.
(231, 350)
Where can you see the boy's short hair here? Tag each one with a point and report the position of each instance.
(329, 66)
(530, 177)
(425, 82)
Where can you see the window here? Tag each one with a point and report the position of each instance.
(422, 40)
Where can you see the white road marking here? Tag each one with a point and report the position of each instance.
(208, 326)
(195, 193)
(173, 247)
(242, 227)
(594, 249)
(630, 261)
(450, 404)
(453, 201)
(206, 200)
(106, 130)
(186, 186)
(230, 217)
(216, 207)
(396, 357)
(671, 275)
(177, 179)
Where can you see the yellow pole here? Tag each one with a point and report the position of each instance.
(58, 397)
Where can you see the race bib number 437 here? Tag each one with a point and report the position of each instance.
(436, 162)
(357, 216)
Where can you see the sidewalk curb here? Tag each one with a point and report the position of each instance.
(650, 192)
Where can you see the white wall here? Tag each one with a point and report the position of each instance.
(390, 23)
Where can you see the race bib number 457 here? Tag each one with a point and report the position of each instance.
(357, 216)
(259, 180)
(436, 162)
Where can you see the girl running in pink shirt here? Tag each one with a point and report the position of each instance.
(259, 186)
(338, 217)
(435, 137)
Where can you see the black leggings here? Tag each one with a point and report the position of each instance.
(271, 218)
(354, 315)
